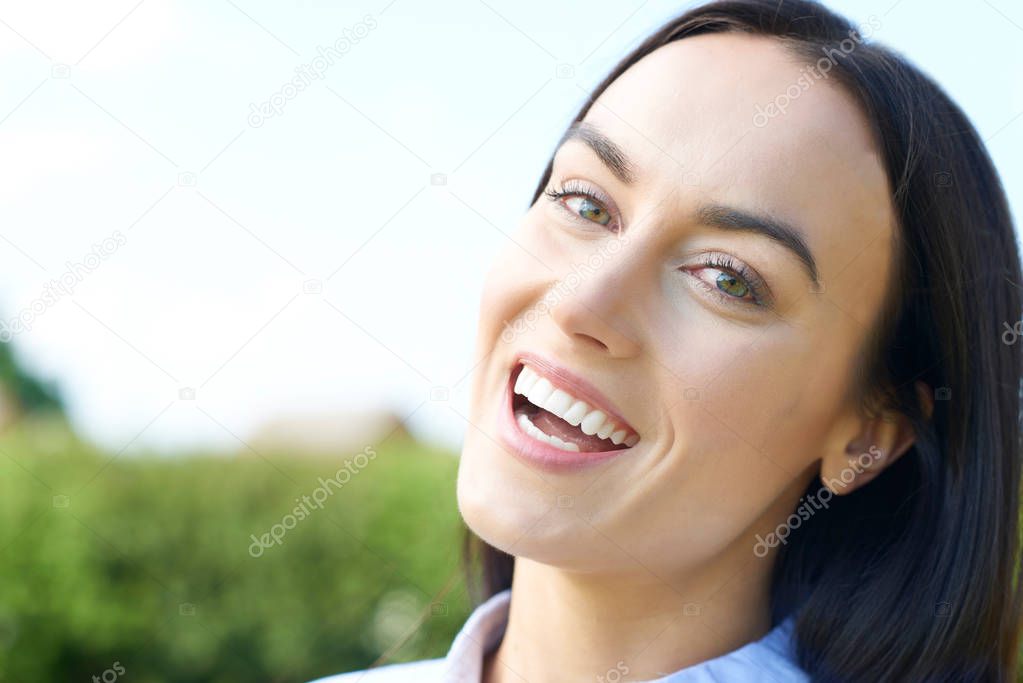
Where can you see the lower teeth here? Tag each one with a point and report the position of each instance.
(529, 428)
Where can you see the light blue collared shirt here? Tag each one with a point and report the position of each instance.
(768, 660)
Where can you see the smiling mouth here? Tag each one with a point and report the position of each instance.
(551, 414)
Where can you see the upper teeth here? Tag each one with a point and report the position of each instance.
(540, 392)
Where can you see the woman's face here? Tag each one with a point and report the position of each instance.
(706, 337)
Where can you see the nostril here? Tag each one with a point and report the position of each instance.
(593, 341)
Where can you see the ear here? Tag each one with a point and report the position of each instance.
(864, 447)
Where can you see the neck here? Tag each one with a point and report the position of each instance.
(570, 626)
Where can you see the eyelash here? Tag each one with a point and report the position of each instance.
(574, 188)
(755, 284)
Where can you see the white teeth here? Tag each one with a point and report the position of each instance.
(592, 422)
(526, 379)
(558, 402)
(539, 391)
(535, 432)
(576, 413)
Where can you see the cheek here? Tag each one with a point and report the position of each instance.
(500, 499)
(776, 394)
(770, 397)
(515, 282)
(745, 414)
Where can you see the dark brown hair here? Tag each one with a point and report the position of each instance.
(914, 577)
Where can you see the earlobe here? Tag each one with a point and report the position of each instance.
(926, 395)
(878, 443)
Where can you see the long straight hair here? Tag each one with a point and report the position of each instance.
(914, 577)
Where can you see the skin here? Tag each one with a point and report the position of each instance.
(647, 560)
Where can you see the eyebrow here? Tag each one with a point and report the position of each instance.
(788, 236)
(714, 215)
(609, 152)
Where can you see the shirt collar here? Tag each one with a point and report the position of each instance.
(485, 627)
(481, 633)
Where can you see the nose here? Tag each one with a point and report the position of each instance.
(600, 310)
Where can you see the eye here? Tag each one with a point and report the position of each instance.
(588, 209)
(583, 202)
(732, 285)
(733, 281)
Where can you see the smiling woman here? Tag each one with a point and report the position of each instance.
(771, 432)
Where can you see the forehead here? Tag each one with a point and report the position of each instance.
(694, 118)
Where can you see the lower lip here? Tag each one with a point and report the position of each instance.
(539, 453)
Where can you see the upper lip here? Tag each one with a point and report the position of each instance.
(575, 385)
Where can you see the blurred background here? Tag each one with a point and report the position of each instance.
(243, 244)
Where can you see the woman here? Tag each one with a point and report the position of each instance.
(744, 406)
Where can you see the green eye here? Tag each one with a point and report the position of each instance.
(732, 285)
(589, 210)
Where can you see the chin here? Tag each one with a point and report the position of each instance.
(514, 511)
(498, 505)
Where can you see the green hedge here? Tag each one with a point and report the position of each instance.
(141, 566)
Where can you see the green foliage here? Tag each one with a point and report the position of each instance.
(145, 562)
(30, 394)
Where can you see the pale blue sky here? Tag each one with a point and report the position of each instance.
(110, 112)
